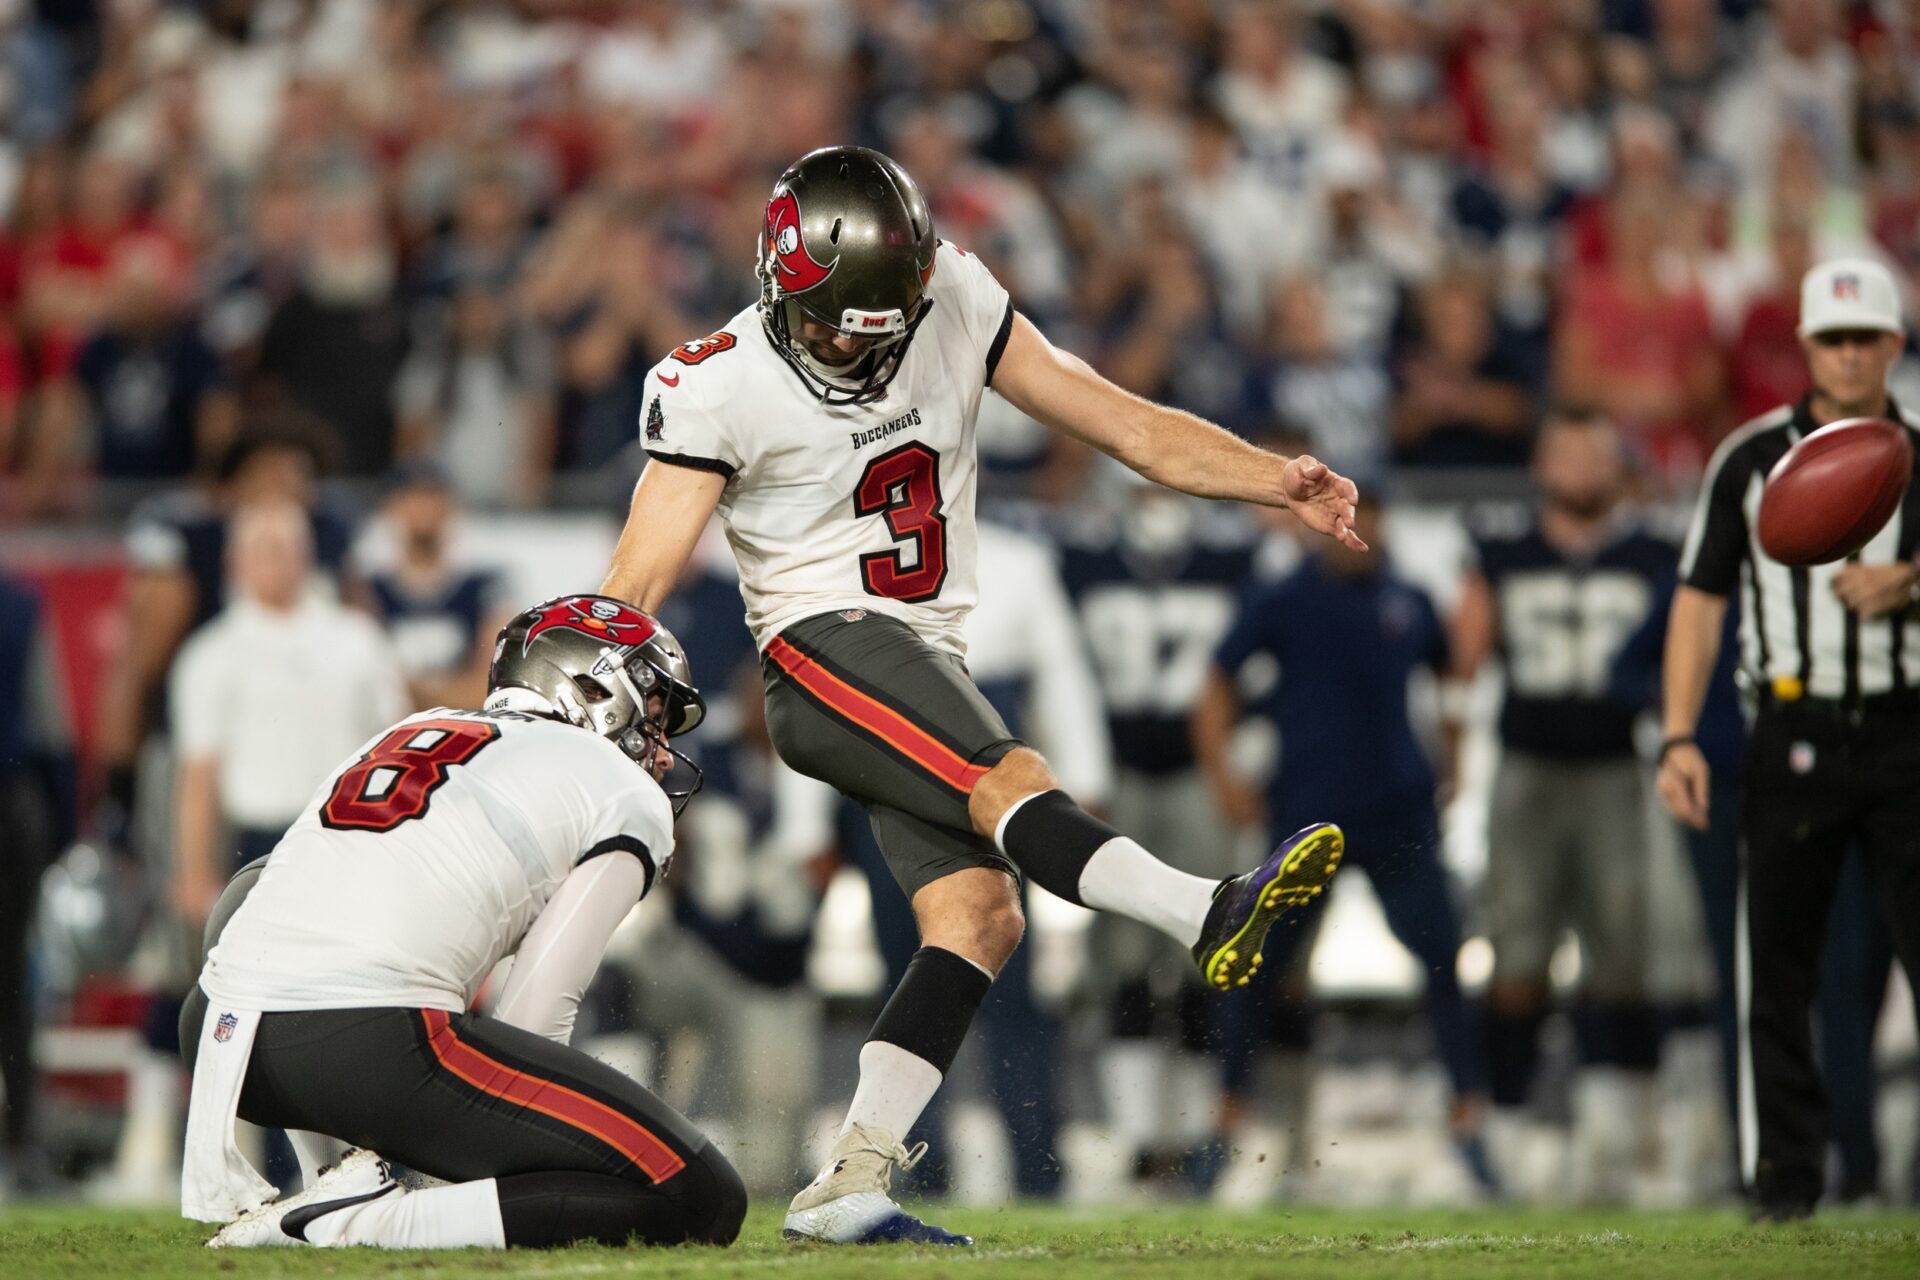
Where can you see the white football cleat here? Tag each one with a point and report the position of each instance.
(360, 1176)
(851, 1201)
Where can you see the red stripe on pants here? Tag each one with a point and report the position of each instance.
(877, 718)
(619, 1131)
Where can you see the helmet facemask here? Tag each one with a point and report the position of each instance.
(626, 700)
(862, 380)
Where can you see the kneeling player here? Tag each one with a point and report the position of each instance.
(335, 998)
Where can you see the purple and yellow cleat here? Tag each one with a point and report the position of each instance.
(1245, 907)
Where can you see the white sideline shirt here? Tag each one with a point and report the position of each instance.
(279, 698)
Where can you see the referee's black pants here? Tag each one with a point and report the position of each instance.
(1818, 783)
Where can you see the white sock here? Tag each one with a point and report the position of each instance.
(895, 1087)
(459, 1216)
(314, 1151)
(1124, 878)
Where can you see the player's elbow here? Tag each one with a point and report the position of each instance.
(1072, 396)
(1136, 430)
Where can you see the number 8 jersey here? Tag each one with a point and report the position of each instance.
(832, 507)
(425, 859)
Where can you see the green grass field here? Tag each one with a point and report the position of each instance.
(1064, 1244)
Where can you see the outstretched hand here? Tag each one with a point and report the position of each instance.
(1322, 498)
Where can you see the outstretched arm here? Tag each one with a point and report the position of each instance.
(671, 505)
(1165, 445)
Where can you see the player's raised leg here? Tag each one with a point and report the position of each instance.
(1069, 852)
(960, 807)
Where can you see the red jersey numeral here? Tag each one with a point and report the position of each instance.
(904, 484)
(393, 782)
(700, 348)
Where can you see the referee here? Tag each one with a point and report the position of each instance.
(1831, 657)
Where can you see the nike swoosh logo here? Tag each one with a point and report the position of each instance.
(666, 381)
(296, 1222)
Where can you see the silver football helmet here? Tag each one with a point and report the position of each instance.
(605, 666)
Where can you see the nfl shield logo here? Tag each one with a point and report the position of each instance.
(1846, 288)
(223, 1029)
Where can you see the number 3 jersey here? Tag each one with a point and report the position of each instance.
(1563, 623)
(422, 862)
(833, 507)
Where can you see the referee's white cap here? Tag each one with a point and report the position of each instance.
(1849, 293)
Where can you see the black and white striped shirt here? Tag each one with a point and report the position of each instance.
(1792, 628)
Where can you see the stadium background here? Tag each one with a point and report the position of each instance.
(460, 233)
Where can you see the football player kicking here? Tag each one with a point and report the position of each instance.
(832, 426)
(335, 999)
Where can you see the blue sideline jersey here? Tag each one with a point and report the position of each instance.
(1346, 648)
(435, 630)
(1152, 622)
(1563, 623)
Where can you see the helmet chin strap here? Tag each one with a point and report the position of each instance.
(850, 376)
(864, 381)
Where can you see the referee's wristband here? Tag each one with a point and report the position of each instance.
(1668, 744)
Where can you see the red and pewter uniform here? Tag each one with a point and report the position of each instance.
(854, 530)
(832, 507)
(423, 861)
(451, 841)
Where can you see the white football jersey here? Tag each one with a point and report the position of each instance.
(843, 506)
(422, 862)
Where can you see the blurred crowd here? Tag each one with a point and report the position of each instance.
(251, 246)
(464, 230)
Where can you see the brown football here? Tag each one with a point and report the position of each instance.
(1830, 493)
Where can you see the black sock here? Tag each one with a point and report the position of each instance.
(1050, 838)
(1513, 1051)
(929, 1012)
(1617, 1034)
